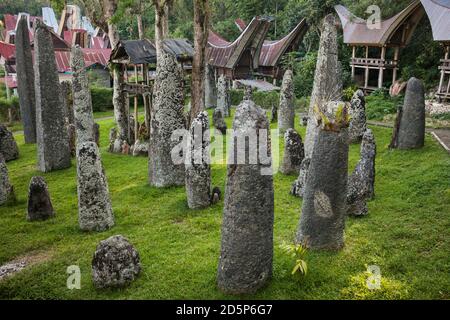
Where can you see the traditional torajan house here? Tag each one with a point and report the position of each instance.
(380, 44)
(238, 59)
(140, 56)
(438, 12)
(272, 52)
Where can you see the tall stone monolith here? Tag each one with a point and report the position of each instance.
(245, 263)
(322, 220)
(411, 130)
(94, 204)
(293, 152)
(25, 80)
(6, 189)
(223, 95)
(82, 101)
(167, 117)
(361, 184)
(210, 87)
(327, 79)
(121, 107)
(286, 111)
(358, 121)
(198, 167)
(52, 140)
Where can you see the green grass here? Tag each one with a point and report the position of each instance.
(407, 233)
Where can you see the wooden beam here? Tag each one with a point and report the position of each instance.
(381, 70)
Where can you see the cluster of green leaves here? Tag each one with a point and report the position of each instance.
(298, 252)
(379, 104)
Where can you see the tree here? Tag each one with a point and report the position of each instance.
(201, 24)
(162, 9)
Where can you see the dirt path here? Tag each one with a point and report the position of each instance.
(11, 268)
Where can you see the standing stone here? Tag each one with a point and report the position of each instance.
(97, 134)
(198, 168)
(327, 79)
(210, 87)
(121, 106)
(248, 93)
(293, 152)
(116, 263)
(82, 101)
(361, 182)
(223, 95)
(219, 121)
(167, 116)
(8, 146)
(6, 189)
(39, 203)
(67, 96)
(94, 204)
(112, 139)
(245, 263)
(25, 80)
(411, 131)
(286, 112)
(358, 120)
(298, 187)
(72, 133)
(274, 113)
(324, 207)
(52, 139)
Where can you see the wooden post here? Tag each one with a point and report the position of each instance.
(441, 82)
(381, 70)
(136, 114)
(353, 63)
(366, 76)
(396, 55)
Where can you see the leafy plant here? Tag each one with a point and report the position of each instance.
(298, 252)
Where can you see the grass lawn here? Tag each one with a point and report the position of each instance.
(407, 233)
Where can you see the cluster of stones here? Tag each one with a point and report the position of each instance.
(167, 117)
(8, 146)
(286, 112)
(293, 152)
(361, 182)
(198, 169)
(245, 263)
(409, 130)
(52, 140)
(115, 264)
(358, 123)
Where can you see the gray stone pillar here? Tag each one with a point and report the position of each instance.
(82, 101)
(167, 116)
(198, 168)
(245, 263)
(327, 82)
(210, 87)
(223, 95)
(358, 124)
(39, 203)
(411, 133)
(293, 152)
(6, 189)
(8, 146)
(121, 103)
(25, 80)
(94, 204)
(362, 181)
(286, 112)
(324, 207)
(52, 139)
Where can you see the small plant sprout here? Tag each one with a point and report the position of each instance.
(298, 252)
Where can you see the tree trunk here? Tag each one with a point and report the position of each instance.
(201, 20)
(140, 26)
(159, 27)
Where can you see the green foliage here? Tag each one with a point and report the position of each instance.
(348, 93)
(102, 98)
(379, 104)
(6, 105)
(263, 99)
(298, 252)
(304, 74)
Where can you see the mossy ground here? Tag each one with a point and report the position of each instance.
(407, 233)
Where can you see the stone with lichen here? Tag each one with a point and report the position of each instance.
(8, 146)
(286, 112)
(293, 152)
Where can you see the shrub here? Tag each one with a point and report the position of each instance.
(102, 98)
(12, 104)
(264, 99)
(378, 105)
(348, 93)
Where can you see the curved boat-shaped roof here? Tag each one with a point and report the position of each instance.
(272, 51)
(222, 53)
(356, 31)
(438, 12)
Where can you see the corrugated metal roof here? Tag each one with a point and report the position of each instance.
(438, 12)
(144, 51)
(7, 51)
(49, 17)
(260, 85)
(357, 32)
